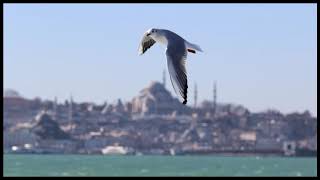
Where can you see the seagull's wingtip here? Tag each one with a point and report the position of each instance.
(184, 102)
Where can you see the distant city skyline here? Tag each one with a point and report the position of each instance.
(262, 56)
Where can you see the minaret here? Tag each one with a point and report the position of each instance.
(55, 104)
(195, 95)
(70, 109)
(214, 102)
(164, 78)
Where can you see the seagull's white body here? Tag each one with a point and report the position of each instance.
(176, 52)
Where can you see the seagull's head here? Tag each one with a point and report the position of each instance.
(153, 32)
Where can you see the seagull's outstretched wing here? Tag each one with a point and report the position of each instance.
(176, 64)
(145, 43)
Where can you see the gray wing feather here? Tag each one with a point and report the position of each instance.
(178, 76)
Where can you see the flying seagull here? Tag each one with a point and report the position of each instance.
(176, 52)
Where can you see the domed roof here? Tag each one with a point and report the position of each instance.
(157, 92)
(10, 93)
(155, 98)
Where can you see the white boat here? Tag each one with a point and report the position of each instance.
(114, 150)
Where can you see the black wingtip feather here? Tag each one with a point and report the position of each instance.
(192, 51)
(185, 94)
(184, 102)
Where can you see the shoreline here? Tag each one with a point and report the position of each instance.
(222, 154)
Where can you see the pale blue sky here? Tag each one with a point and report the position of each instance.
(261, 55)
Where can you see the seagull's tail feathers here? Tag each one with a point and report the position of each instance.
(193, 47)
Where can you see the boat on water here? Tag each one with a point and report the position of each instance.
(114, 150)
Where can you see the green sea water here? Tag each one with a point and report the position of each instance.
(98, 165)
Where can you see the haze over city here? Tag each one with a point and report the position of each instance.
(261, 56)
